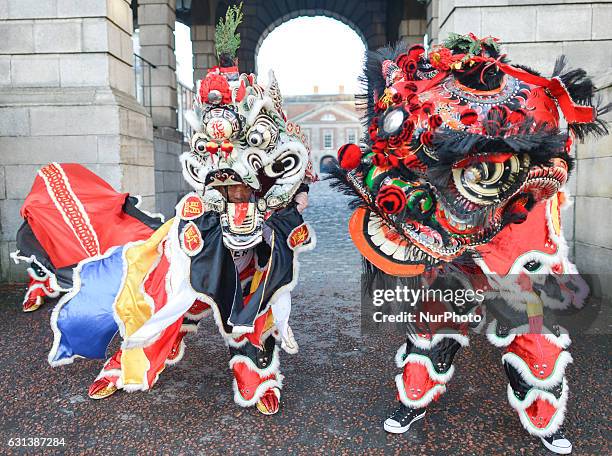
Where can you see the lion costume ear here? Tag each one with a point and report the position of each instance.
(273, 91)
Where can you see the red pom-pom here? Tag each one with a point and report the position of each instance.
(218, 83)
(391, 199)
(427, 138)
(396, 98)
(468, 117)
(427, 107)
(349, 156)
(227, 147)
(416, 51)
(212, 147)
(435, 121)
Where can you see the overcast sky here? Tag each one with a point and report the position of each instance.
(310, 51)
(303, 52)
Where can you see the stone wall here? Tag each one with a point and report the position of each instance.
(156, 21)
(535, 33)
(66, 95)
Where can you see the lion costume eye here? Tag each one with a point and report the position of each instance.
(263, 134)
(198, 143)
(487, 182)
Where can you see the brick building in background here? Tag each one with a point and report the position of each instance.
(72, 90)
(328, 121)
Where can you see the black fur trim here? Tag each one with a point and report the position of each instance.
(583, 92)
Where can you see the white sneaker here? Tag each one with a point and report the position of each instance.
(402, 418)
(557, 443)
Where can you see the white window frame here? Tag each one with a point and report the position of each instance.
(351, 132)
(331, 137)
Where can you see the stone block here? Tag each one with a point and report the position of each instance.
(563, 22)
(41, 150)
(159, 55)
(95, 35)
(138, 180)
(80, 8)
(5, 71)
(58, 36)
(151, 35)
(207, 47)
(121, 14)
(159, 13)
(602, 22)
(109, 147)
(462, 21)
(32, 9)
(19, 180)
(511, 24)
(4, 10)
(593, 220)
(84, 70)
(16, 37)
(120, 44)
(121, 75)
(74, 120)
(164, 117)
(35, 71)
(593, 177)
(111, 173)
(164, 96)
(10, 220)
(592, 148)
(594, 56)
(137, 125)
(539, 56)
(596, 263)
(14, 121)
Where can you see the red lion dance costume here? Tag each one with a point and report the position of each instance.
(462, 175)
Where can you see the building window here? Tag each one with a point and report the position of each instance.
(328, 117)
(328, 139)
(351, 136)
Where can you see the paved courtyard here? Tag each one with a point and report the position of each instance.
(338, 388)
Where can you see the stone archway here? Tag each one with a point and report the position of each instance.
(369, 19)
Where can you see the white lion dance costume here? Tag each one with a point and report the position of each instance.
(231, 249)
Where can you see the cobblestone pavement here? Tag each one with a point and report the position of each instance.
(338, 388)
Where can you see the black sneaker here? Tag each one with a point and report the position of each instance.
(402, 418)
(557, 443)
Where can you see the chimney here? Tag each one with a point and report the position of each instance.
(315, 89)
(340, 89)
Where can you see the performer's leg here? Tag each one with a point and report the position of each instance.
(38, 288)
(427, 363)
(537, 390)
(190, 325)
(105, 383)
(257, 378)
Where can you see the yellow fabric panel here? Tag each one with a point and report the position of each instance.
(134, 366)
(131, 306)
(256, 281)
(535, 307)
